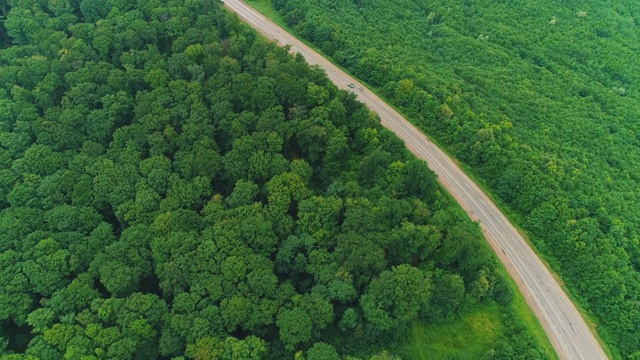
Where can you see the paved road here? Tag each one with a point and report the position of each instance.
(565, 327)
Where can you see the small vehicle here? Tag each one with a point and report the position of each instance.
(351, 85)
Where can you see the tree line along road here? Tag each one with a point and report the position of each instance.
(565, 327)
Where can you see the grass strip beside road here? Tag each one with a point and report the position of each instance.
(472, 335)
(468, 337)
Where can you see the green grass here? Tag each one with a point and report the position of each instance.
(472, 335)
(469, 337)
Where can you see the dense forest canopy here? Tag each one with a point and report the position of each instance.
(540, 99)
(172, 186)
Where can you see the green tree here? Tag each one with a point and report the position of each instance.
(93, 10)
(15, 298)
(47, 267)
(295, 327)
(251, 348)
(421, 182)
(447, 297)
(322, 351)
(125, 263)
(243, 193)
(394, 298)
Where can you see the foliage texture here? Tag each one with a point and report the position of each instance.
(173, 186)
(540, 99)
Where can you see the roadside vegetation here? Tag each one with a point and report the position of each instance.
(173, 186)
(539, 99)
(467, 337)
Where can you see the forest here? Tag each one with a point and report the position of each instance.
(539, 100)
(173, 186)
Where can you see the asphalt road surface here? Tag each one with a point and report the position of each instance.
(562, 322)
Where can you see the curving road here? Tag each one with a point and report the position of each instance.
(562, 322)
